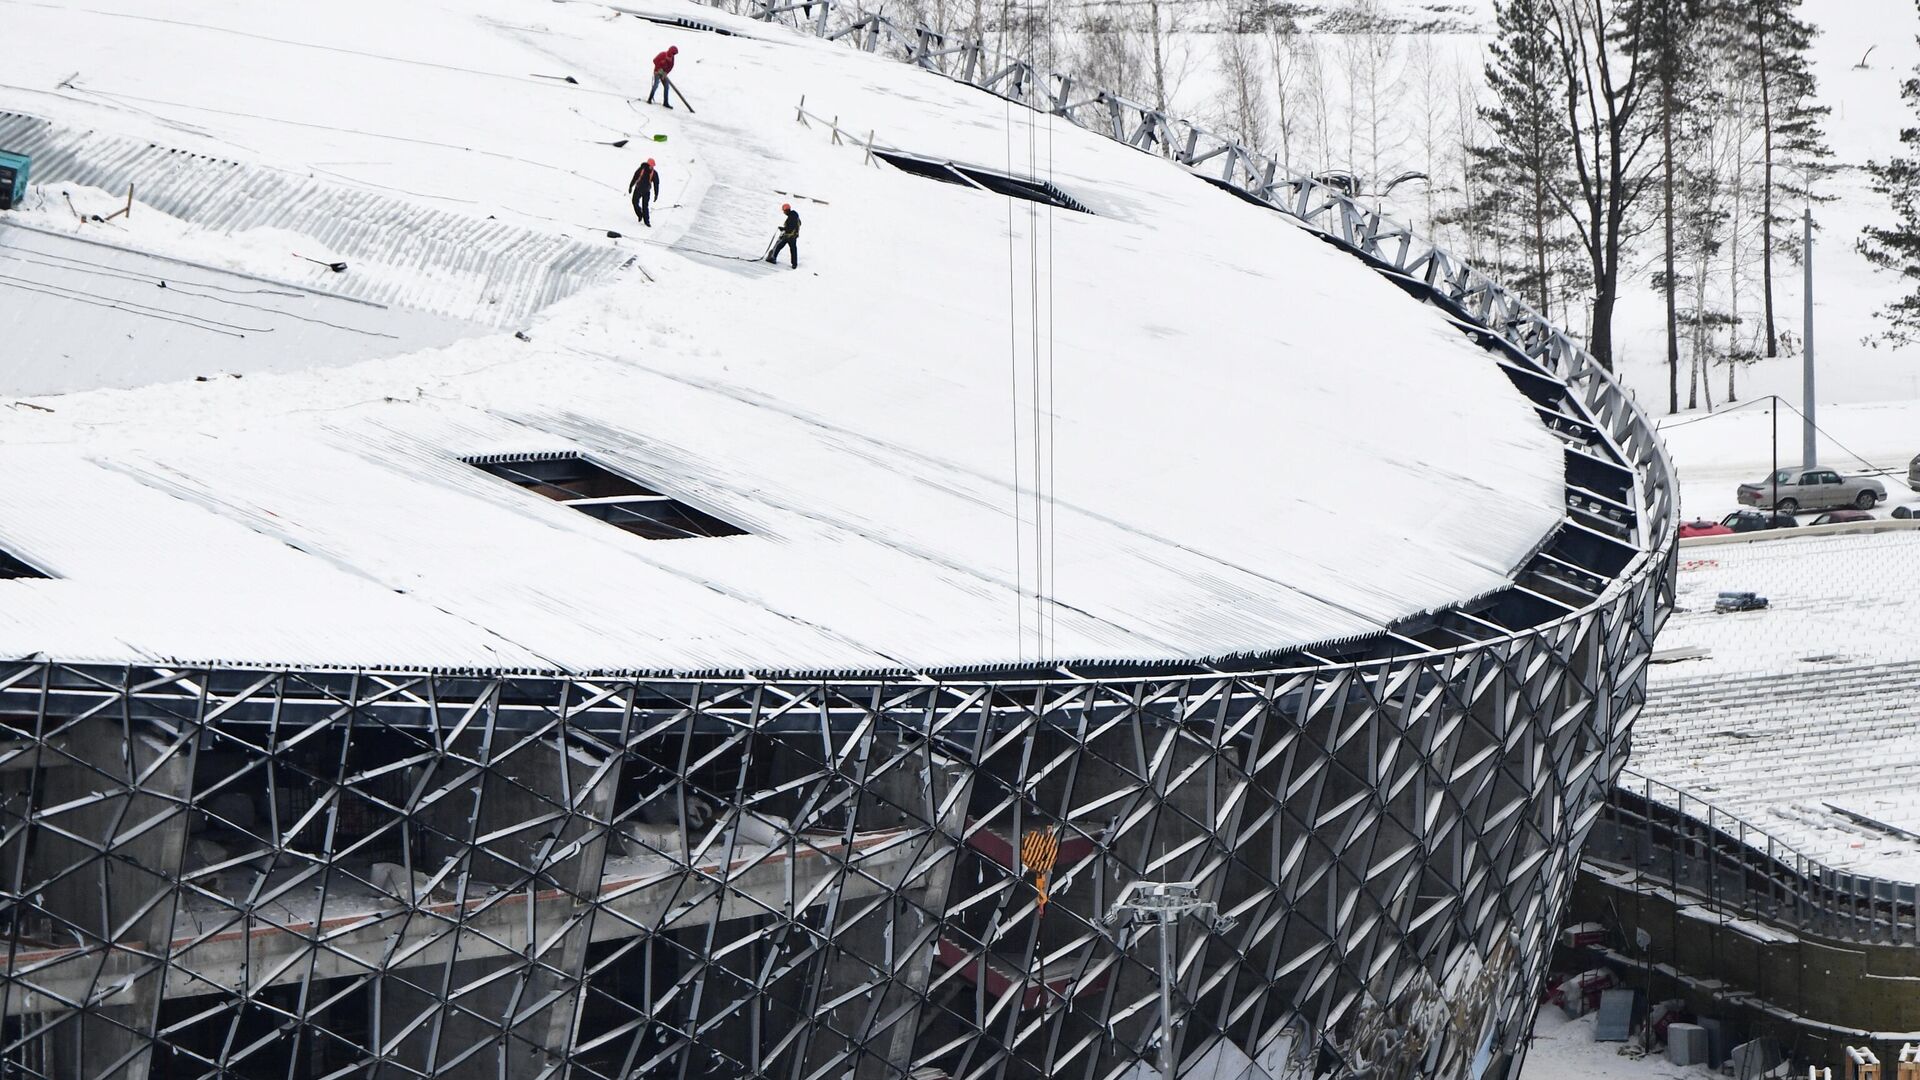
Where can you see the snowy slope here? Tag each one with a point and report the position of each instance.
(1244, 440)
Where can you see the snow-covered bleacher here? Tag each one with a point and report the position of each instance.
(1799, 717)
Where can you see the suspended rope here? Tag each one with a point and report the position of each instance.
(1033, 353)
(1052, 411)
(1013, 400)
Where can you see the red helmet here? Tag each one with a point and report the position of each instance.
(674, 49)
(786, 206)
(649, 161)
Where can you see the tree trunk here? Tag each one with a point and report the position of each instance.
(1702, 356)
(1540, 244)
(1159, 57)
(1600, 342)
(1766, 189)
(1666, 213)
(1733, 270)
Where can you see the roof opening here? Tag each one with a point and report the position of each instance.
(1032, 189)
(683, 23)
(12, 567)
(594, 490)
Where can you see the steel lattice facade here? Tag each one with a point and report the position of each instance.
(275, 873)
(228, 872)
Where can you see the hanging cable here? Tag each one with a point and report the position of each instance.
(1053, 534)
(1013, 402)
(1033, 352)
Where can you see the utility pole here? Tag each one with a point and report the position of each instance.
(1164, 903)
(1806, 334)
(1774, 476)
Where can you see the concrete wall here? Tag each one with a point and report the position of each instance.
(1816, 996)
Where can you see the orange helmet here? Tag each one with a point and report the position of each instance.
(649, 161)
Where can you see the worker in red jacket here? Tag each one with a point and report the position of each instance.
(663, 67)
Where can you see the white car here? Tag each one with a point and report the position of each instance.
(1792, 490)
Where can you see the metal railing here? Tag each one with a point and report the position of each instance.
(1740, 869)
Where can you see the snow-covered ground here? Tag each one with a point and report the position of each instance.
(1219, 405)
(1715, 454)
(1564, 1049)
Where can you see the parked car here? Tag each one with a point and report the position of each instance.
(1739, 601)
(1818, 488)
(1836, 517)
(1703, 528)
(1746, 521)
(1913, 473)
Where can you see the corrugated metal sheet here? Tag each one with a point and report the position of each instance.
(205, 322)
(462, 265)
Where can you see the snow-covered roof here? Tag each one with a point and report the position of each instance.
(1186, 426)
(1799, 717)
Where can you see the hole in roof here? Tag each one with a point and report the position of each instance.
(597, 491)
(1032, 189)
(683, 23)
(11, 566)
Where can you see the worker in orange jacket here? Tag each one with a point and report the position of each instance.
(788, 237)
(644, 187)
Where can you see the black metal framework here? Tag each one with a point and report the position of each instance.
(220, 872)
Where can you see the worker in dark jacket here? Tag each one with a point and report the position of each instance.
(789, 237)
(644, 187)
(663, 67)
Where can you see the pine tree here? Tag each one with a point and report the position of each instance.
(1521, 164)
(1897, 248)
(1673, 36)
(1794, 147)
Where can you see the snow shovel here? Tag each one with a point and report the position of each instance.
(672, 89)
(336, 267)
